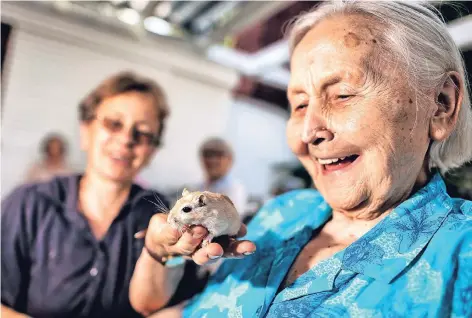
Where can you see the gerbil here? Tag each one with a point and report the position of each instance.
(214, 211)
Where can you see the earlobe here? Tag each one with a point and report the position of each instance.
(448, 103)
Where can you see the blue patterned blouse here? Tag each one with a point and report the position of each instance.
(416, 262)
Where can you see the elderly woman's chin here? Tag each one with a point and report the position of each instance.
(345, 196)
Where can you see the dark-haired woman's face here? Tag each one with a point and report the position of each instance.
(119, 141)
(55, 149)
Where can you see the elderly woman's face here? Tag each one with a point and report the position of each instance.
(356, 125)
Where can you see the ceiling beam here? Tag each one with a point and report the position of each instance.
(251, 12)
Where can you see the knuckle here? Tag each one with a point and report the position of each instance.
(156, 220)
(186, 249)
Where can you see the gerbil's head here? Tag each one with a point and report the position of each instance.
(194, 207)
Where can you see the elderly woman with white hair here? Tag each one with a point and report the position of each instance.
(379, 109)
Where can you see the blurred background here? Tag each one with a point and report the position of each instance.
(223, 66)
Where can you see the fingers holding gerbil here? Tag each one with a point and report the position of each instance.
(189, 241)
(160, 232)
(211, 252)
(240, 249)
(159, 237)
(214, 251)
(242, 230)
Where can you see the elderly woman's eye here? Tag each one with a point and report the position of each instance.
(301, 106)
(344, 97)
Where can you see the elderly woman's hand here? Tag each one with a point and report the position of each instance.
(163, 241)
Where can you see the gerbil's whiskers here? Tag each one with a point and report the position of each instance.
(165, 209)
(159, 204)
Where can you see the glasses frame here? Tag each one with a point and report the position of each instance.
(135, 133)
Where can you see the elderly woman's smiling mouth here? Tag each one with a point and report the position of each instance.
(337, 163)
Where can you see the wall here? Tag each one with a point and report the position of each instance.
(257, 132)
(52, 63)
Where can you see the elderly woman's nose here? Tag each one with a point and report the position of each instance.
(314, 130)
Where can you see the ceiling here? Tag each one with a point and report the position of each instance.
(244, 35)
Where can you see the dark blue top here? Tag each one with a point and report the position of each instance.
(53, 266)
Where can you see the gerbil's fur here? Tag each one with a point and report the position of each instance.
(214, 211)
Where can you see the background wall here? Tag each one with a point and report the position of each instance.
(257, 132)
(48, 70)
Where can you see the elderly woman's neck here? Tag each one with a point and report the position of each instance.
(368, 214)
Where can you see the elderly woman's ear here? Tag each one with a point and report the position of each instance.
(448, 104)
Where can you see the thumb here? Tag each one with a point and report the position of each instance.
(141, 234)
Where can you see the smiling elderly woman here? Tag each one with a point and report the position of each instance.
(379, 105)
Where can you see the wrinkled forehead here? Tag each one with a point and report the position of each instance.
(338, 42)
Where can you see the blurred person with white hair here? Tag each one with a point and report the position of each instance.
(217, 159)
(380, 110)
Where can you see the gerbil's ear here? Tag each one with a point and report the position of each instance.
(185, 192)
(201, 200)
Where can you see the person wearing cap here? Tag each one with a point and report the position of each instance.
(217, 159)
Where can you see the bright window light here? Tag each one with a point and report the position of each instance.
(158, 26)
(163, 9)
(139, 4)
(128, 16)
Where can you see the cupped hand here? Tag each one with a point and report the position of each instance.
(163, 241)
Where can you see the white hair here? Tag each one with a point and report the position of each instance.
(416, 34)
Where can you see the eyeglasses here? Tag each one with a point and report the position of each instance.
(139, 137)
(208, 153)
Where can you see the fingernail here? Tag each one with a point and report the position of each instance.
(248, 253)
(214, 256)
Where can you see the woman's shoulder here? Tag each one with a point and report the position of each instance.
(288, 212)
(53, 191)
(460, 217)
(456, 230)
(295, 197)
(28, 205)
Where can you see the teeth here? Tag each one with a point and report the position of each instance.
(330, 161)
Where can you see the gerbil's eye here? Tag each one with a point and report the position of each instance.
(186, 209)
(201, 200)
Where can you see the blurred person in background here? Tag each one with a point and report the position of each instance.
(217, 158)
(53, 162)
(68, 245)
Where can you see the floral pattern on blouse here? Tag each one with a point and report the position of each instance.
(416, 262)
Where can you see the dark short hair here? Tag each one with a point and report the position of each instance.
(121, 83)
(50, 138)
